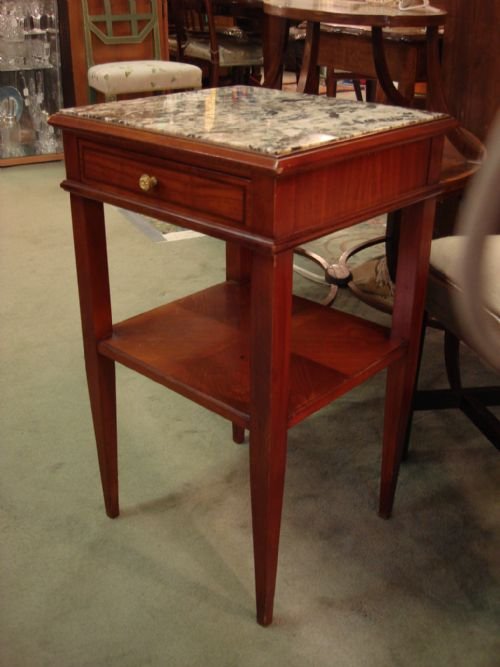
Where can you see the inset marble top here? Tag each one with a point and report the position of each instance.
(254, 119)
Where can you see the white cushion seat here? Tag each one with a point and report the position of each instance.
(141, 76)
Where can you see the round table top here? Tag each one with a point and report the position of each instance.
(359, 12)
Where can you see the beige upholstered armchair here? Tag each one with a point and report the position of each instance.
(464, 295)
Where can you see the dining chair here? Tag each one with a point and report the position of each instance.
(463, 293)
(443, 290)
(125, 47)
(196, 37)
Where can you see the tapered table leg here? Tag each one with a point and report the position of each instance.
(95, 307)
(411, 282)
(270, 351)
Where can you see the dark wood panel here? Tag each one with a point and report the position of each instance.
(471, 62)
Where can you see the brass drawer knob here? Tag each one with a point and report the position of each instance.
(147, 182)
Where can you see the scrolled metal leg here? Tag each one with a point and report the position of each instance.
(336, 274)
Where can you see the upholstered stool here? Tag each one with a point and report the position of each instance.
(142, 76)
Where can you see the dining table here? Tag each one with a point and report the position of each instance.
(377, 16)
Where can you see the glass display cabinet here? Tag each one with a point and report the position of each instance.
(30, 81)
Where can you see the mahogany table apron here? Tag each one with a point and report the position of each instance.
(247, 349)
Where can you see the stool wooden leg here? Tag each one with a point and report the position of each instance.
(95, 307)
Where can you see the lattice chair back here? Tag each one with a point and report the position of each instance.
(123, 30)
(125, 43)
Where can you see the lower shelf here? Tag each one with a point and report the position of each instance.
(199, 347)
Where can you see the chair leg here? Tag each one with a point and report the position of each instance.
(214, 75)
(357, 89)
(331, 85)
(331, 82)
(452, 360)
(473, 402)
(371, 90)
(482, 418)
(255, 76)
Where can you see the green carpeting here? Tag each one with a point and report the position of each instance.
(170, 582)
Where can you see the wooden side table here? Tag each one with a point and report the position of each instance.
(247, 349)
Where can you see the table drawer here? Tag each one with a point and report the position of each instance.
(170, 186)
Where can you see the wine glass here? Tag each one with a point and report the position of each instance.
(35, 8)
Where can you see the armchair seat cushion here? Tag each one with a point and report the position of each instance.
(141, 76)
(444, 279)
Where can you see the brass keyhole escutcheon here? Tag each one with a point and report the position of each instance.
(147, 182)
